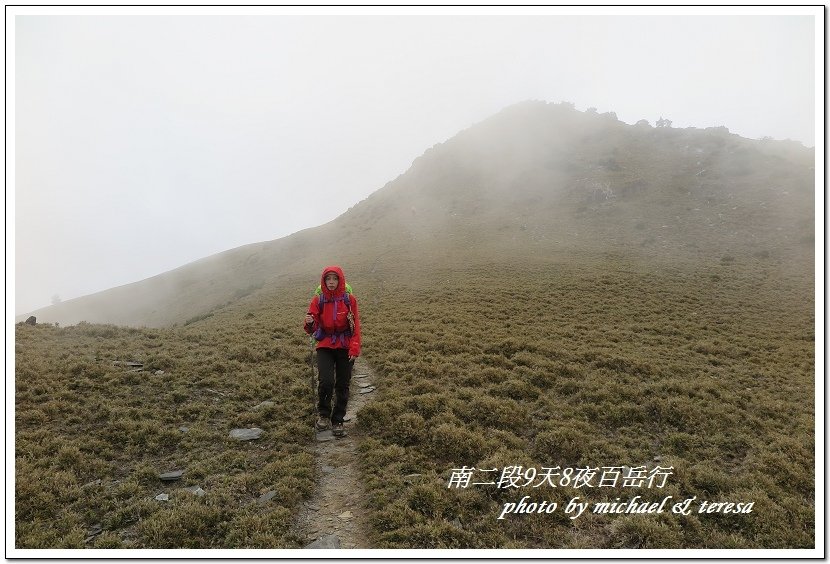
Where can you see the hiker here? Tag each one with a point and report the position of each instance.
(333, 320)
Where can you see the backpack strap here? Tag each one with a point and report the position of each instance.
(319, 334)
(323, 300)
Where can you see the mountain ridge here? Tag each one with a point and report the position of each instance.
(534, 181)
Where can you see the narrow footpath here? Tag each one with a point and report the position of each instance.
(334, 516)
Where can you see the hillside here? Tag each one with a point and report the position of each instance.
(707, 370)
(548, 293)
(537, 181)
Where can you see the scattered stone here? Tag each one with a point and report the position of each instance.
(129, 363)
(361, 375)
(409, 478)
(346, 515)
(367, 390)
(314, 507)
(328, 469)
(195, 490)
(162, 497)
(326, 541)
(171, 476)
(32, 320)
(265, 404)
(184, 429)
(658, 458)
(93, 483)
(93, 531)
(159, 372)
(363, 384)
(266, 497)
(456, 523)
(324, 436)
(246, 434)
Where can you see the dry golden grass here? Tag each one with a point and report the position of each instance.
(600, 363)
(708, 368)
(92, 437)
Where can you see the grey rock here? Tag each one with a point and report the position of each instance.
(361, 375)
(266, 497)
(456, 523)
(246, 434)
(328, 469)
(171, 476)
(327, 541)
(265, 404)
(159, 372)
(195, 490)
(368, 390)
(324, 436)
(92, 532)
(128, 363)
(363, 384)
(184, 429)
(162, 497)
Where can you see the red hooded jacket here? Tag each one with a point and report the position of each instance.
(334, 317)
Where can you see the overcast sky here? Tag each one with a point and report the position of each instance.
(143, 143)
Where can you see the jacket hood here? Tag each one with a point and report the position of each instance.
(341, 283)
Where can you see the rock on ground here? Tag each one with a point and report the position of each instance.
(327, 541)
(246, 434)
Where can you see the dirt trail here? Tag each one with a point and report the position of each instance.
(336, 508)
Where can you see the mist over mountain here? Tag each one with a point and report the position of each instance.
(537, 182)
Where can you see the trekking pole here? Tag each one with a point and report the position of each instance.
(311, 366)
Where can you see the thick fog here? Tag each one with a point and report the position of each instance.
(144, 142)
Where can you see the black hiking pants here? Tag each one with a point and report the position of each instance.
(335, 371)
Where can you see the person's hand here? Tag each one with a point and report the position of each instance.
(352, 358)
(309, 319)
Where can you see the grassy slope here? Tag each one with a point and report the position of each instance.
(515, 316)
(602, 363)
(80, 418)
(598, 364)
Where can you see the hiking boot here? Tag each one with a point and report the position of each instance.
(337, 429)
(321, 424)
